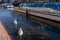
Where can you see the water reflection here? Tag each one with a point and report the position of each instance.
(31, 29)
(35, 31)
(20, 33)
(15, 22)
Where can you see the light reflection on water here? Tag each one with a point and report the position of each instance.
(32, 30)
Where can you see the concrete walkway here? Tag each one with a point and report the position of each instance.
(3, 33)
(41, 15)
(46, 16)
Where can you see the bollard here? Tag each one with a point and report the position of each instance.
(26, 13)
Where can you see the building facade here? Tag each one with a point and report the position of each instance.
(54, 0)
(30, 0)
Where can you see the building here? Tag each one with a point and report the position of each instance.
(40, 0)
(47, 0)
(54, 0)
(30, 1)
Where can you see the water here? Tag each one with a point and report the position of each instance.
(32, 30)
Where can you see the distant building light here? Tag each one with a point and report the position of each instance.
(0, 0)
(38, 1)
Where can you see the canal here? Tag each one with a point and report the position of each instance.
(32, 30)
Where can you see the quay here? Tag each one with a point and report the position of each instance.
(3, 33)
(44, 18)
